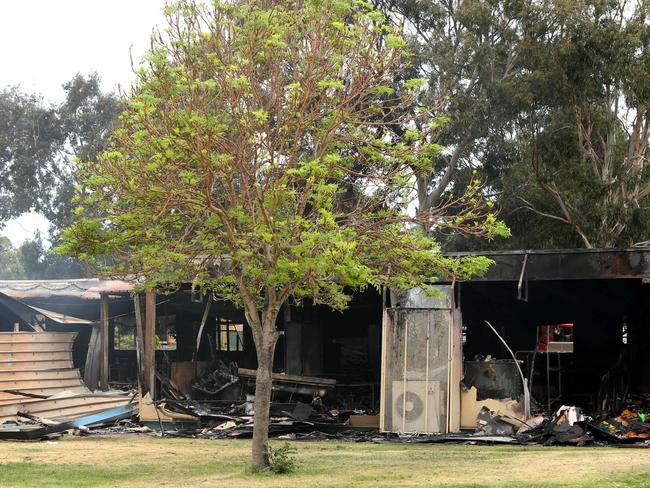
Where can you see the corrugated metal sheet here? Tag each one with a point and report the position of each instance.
(37, 376)
(36, 316)
(61, 318)
(87, 289)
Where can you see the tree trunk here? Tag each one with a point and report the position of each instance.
(423, 202)
(262, 405)
(265, 336)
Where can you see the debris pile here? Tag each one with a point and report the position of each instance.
(214, 382)
(491, 396)
(38, 403)
(221, 405)
(489, 423)
(632, 425)
(217, 420)
(568, 425)
(305, 408)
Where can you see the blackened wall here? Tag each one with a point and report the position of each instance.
(597, 308)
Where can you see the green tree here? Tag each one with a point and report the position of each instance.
(10, 265)
(467, 52)
(85, 120)
(34, 260)
(548, 102)
(588, 125)
(248, 121)
(30, 138)
(38, 141)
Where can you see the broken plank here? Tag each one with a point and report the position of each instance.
(290, 378)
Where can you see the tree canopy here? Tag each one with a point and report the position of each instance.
(29, 140)
(38, 141)
(588, 123)
(547, 103)
(237, 150)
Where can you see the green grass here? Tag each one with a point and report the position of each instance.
(146, 461)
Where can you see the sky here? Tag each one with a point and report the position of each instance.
(44, 43)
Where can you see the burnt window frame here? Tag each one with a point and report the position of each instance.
(229, 327)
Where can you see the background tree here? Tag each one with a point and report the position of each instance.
(35, 260)
(30, 138)
(547, 102)
(10, 264)
(85, 119)
(588, 125)
(467, 52)
(38, 141)
(228, 170)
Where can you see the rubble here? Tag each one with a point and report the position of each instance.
(298, 410)
(497, 421)
(490, 424)
(31, 427)
(216, 381)
(568, 425)
(217, 420)
(220, 406)
(627, 427)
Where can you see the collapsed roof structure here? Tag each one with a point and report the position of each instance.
(38, 379)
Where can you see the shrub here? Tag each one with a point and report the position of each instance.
(281, 459)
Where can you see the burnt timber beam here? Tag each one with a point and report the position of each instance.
(576, 264)
(139, 342)
(149, 339)
(103, 319)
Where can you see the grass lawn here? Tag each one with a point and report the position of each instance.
(139, 461)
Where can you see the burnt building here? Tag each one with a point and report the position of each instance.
(426, 362)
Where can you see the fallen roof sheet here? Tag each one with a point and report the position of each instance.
(37, 377)
(46, 426)
(31, 314)
(60, 317)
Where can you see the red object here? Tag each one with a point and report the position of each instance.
(553, 334)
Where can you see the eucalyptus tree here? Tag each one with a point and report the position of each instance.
(468, 53)
(38, 140)
(548, 101)
(30, 137)
(588, 124)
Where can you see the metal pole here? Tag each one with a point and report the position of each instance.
(203, 321)
(559, 375)
(104, 321)
(548, 380)
(139, 341)
(406, 341)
